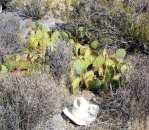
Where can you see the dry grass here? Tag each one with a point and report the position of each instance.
(25, 102)
(34, 9)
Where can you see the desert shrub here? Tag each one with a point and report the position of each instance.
(38, 8)
(130, 101)
(61, 8)
(138, 86)
(26, 101)
(120, 23)
(34, 9)
(5, 4)
(9, 29)
(59, 58)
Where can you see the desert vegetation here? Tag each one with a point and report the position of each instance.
(52, 51)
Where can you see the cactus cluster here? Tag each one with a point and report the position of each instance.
(97, 70)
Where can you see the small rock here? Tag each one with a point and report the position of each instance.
(0, 8)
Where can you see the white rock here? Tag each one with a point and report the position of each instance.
(0, 8)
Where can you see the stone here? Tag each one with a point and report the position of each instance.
(0, 8)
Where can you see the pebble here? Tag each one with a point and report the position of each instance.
(0, 8)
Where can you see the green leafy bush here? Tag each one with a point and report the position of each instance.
(96, 71)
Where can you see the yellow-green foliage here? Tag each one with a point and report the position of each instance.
(97, 70)
(42, 37)
(3, 71)
(18, 62)
(39, 37)
(32, 57)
